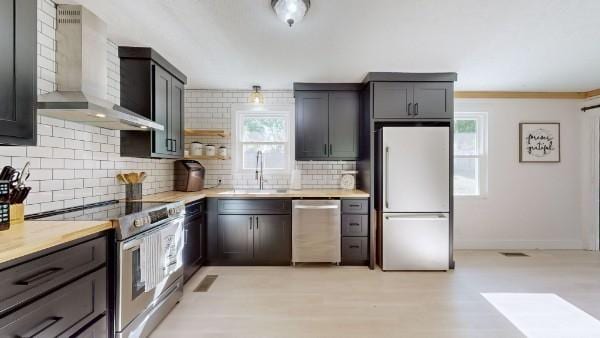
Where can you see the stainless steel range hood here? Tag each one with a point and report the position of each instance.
(81, 75)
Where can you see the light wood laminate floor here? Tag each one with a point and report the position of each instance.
(323, 301)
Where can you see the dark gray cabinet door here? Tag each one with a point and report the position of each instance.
(176, 123)
(18, 64)
(344, 109)
(433, 100)
(392, 100)
(272, 239)
(192, 244)
(162, 109)
(235, 238)
(312, 141)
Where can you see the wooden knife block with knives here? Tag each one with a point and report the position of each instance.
(133, 184)
(13, 193)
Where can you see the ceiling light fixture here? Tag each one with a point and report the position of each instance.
(290, 11)
(256, 96)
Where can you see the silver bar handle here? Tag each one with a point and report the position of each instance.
(387, 180)
(417, 218)
(316, 207)
(250, 221)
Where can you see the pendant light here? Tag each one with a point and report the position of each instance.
(256, 96)
(290, 11)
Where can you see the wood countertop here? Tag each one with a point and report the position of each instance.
(187, 197)
(33, 236)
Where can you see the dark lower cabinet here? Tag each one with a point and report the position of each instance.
(355, 231)
(56, 294)
(194, 239)
(272, 241)
(61, 313)
(235, 239)
(18, 65)
(260, 238)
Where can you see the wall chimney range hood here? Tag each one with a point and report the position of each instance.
(81, 75)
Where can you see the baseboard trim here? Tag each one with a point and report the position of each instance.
(470, 244)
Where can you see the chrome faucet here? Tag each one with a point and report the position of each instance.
(259, 174)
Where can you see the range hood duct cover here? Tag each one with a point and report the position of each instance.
(81, 75)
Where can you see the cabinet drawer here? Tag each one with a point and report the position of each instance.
(355, 250)
(30, 279)
(194, 208)
(61, 313)
(98, 329)
(355, 225)
(355, 206)
(255, 206)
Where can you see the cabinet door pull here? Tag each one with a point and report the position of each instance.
(168, 144)
(38, 276)
(38, 330)
(325, 148)
(330, 149)
(408, 109)
(250, 221)
(256, 223)
(175, 145)
(417, 108)
(354, 246)
(354, 224)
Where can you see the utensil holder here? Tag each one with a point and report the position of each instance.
(17, 213)
(133, 192)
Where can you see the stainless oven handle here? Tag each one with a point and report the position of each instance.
(134, 244)
(316, 207)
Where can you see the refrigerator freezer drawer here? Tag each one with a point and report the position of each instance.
(416, 242)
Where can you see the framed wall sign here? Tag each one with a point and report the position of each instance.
(539, 142)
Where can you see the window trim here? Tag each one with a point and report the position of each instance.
(239, 110)
(482, 143)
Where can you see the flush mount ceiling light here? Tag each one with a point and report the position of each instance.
(256, 96)
(290, 11)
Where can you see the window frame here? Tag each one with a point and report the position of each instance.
(481, 119)
(244, 110)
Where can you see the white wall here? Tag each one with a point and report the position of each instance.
(529, 205)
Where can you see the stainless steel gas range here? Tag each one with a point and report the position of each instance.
(148, 260)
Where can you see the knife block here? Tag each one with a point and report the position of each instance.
(17, 213)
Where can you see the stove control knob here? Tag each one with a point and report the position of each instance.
(138, 222)
(148, 220)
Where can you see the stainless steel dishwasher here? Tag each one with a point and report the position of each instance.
(316, 231)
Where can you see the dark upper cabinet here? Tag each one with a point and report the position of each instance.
(344, 108)
(272, 239)
(18, 64)
(433, 100)
(392, 99)
(153, 88)
(312, 139)
(413, 100)
(327, 125)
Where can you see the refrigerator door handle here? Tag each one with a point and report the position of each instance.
(419, 218)
(387, 173)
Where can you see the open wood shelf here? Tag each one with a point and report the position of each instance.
(204, 157)
(207, 132)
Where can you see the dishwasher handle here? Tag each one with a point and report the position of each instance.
(316, 207)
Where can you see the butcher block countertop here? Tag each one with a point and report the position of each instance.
(187, 197)
(33, 236)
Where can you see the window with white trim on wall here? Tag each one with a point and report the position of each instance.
(470, 154)
(262, 128)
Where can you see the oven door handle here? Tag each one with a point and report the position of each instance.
(132, 245)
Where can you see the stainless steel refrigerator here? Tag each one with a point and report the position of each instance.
(416, 198)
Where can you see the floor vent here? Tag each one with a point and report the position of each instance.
(514, 254)
(206, 283)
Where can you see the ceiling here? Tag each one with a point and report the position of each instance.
(507, 45)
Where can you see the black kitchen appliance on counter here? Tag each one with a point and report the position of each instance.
(189, 175)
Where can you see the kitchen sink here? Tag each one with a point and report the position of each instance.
(255, 192)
